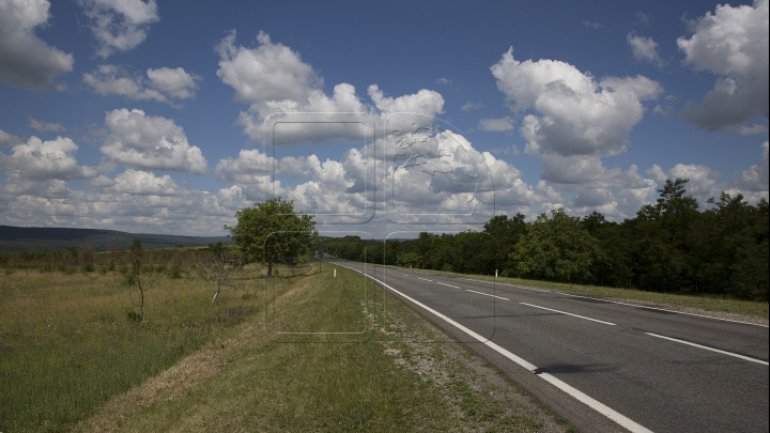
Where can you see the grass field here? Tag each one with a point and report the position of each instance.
(305, 353)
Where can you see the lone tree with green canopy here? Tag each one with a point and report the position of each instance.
(271, 232)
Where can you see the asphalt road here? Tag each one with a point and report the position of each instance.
(604, 366)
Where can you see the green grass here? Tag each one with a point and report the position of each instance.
(305, 352)
(67, 342)
(752, 309)
(320, 378)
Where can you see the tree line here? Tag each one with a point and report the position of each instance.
(670, 246)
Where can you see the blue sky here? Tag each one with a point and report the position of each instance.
(169, 117)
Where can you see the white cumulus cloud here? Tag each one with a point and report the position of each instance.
(703, 181)
(754, 182)
(8, 138)
(496, 124)
(732, 43)
(162, 84)
(150, 142)
(120, 25)
(25, 59)
(644, 49)
(44, 160)
(144, 183)
(569, 112)
(281, 89)
(268, 72)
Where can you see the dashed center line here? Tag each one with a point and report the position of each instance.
(448, 285)
(424, 279)
(568, 314)
(712, 349)
(487, 294)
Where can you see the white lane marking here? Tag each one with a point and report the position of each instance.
(568, 314)
(448, 285)
(424, 279)
(487, 294)
(596, 405)
(646, 307)
(628, 304)
(575, 393)
(712, 349)
(507, 285)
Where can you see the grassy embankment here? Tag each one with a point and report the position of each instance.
(73, 359)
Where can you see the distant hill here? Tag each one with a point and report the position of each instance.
(37, 239)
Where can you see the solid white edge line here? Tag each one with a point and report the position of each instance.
(712, 349)
(568, 314)
(596, 405)
(487, 294)
(448, 285)
(578, 395)
(628, 304)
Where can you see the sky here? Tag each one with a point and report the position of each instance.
(381, 119)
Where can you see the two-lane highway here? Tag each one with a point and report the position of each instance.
(642, 369)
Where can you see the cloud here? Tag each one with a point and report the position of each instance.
(644, 49)
(572, 169)
(8, 138)
(161, 85)
(144, 183)
(430, 176)
(703, 181)
(120, 25)
(643, 18)
(569, 112)
(143, 204)
(593, 25)
(588, 185)
(175, 83)
(443, 81)
(25, 59)
(471, 106)
(281, 89)
(498, 124)
(268, 72)
(150, 142)
(319, 118)
(754, 182)
(405, 112)
(40, 160)
(732, 43)
(752, 129)
(45, 126)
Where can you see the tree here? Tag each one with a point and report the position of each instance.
(556, 248)
(220, 268)
(134, 275)
(662, 240)
(503, 232)
(271, 232)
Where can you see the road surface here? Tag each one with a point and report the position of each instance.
(605, 366)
